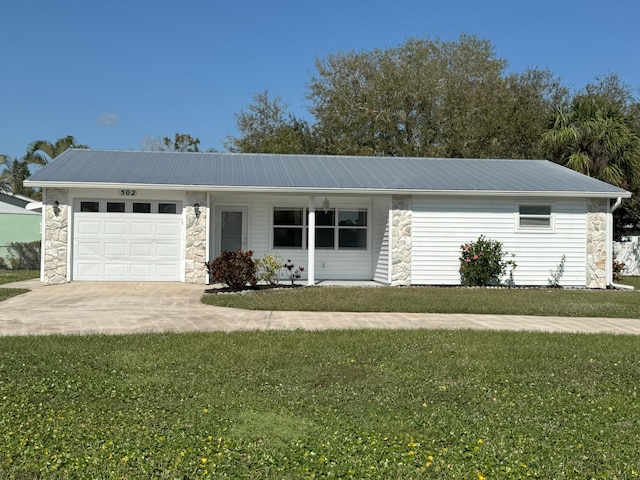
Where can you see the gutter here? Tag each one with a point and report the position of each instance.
(614, 207)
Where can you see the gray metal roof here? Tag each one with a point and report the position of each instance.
(313, 173)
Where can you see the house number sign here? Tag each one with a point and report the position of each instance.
(128, 193)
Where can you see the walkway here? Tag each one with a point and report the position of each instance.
(118, 308)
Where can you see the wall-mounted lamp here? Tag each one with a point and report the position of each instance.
(325, 205)
(196, 209)
(56, 208)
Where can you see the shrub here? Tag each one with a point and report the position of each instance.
(293, 272)
(24, 255)
(481, 262)
(269, 269)
(618, 267)
(235, 269)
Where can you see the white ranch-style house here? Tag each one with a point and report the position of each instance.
(158, 216)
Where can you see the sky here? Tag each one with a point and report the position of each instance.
(112, 73)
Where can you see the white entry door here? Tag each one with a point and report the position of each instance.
(231, 229)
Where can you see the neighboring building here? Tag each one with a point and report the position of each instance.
(158, 216)
(16, 223)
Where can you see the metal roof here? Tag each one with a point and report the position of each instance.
(314, 173)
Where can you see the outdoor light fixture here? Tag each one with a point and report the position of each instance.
(56, 208)
(325, 205)
(196, 209)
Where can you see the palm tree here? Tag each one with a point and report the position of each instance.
(596, 137)
(42, 152)
(13, 176)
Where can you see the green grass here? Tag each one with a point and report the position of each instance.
(561, 302)
(633, 281)
(9, 276)
(348, 404)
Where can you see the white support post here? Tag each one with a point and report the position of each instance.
(311, 243)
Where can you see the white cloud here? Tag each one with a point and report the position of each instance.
(108, 120)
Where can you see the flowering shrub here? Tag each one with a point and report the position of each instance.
(235, 269)
(481, 262)
(269, 269)
(293, 272)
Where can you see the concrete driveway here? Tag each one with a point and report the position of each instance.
(130, 307)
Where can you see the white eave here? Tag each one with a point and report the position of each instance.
(330, 191)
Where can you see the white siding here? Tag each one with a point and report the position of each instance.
(440, 226)
(329, 264)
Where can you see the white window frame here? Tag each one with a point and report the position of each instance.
(535, 228)
(336, 228)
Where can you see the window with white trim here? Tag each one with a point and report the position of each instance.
(534, 217)
(336, 229)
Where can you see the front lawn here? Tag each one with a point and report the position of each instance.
(557, 302)
(344, 404)
(9, 276)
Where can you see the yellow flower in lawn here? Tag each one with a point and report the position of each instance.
(203, 460)
(205, 410)
(481, 476)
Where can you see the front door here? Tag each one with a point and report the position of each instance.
(231, 231)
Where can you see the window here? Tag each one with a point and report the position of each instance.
(531, 217)
(335, 229)
(167, 208)
(117, 207)
(89, 206)
(288, 225)
(352, 229)
(141, 207)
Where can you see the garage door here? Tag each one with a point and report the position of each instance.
(127, 241)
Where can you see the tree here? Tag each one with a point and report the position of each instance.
(13, 176)
(181, 142)
(595, 137)
(267, 128)
(42, 152)
(430, 98)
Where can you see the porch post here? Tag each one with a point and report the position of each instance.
(311, 243)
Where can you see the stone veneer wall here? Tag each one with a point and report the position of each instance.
(597, 244)
(196, 238)
(56, 236)
(401, 218)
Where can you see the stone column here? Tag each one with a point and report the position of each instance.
(196, 238)
(401, 217)
(56, 236)
(597, 244)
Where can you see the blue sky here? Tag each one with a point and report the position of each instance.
(111, 73)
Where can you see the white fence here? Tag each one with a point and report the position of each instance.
(628, 252)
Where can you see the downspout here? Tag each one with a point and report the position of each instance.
(43, 232)
(612, 209)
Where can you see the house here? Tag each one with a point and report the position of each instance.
(17, 224)
(158, 216)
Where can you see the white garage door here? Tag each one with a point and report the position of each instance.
(127, 241)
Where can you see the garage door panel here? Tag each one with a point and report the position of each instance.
(131, 247)
(143, 249)
(88, 248)
(142, 229)
(166, 229)
(115, 228)
(142, 271)
(87, 227)
(115, 271)
(166, 272)
(115, 249)
(89, 271)
(167, 250)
